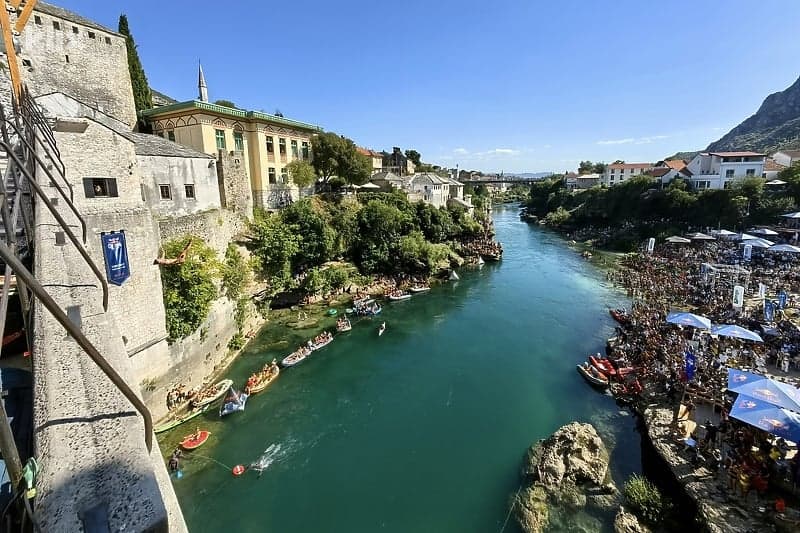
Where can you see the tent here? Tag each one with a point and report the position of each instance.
(678, 240)
(700, 237)
(772, 419)
(764, 389)
(764, 231)
(689, 319)
(784, 248)
(736, 332)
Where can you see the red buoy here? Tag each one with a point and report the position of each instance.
(238, 470)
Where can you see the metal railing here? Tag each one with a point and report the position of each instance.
(20, 136)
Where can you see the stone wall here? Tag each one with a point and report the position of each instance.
(217, 228)
(78, 59)
(234, 183)
(177, 172)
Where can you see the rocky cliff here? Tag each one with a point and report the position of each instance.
(775, 126)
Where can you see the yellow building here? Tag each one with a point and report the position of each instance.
(264, 143)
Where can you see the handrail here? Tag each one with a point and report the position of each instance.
(30, 281)
(48, 148)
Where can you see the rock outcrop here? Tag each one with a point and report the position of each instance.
(564, 473)
(626, 522)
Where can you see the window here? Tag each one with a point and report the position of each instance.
(272, 175)
(750, 172)
(189, 190)
(729, 173)
(66, 57)
(703, 184)
(142, 189)
(238, 141)
(284, 175)
(90, 34)
(282, 146)
(295, 153)
(171, 135)
(75, 30)
(165, 191)
(305, 150)
(270, 145)
(37, 20)
(220, 136)
(56, 25)
(100, 187)
(108, 40)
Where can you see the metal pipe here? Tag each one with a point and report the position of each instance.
(43, 296)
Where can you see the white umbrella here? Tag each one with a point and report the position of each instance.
(737, 332)
(370, 185)
(689, 319)
(700, 237)
(784, 248)
(352, 186)
(722, 233)
(764, 231)
(678, 240)
(796, 214)
(758, 243)
(775, 182)
(745, 237)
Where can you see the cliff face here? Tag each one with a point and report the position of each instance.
(775, 126)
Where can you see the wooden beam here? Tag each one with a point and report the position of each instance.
(15, 3)
(11, 54)
(25, 15)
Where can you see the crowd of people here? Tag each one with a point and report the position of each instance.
(700, 277)
(268, 372)
(484, 247)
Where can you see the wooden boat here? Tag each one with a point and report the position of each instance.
(234, 404)
(417, 290)
(195, 440)
(294, 357)
(175, 422)
(591, 375)
(398, 297)
(619, 315)
(261, 384)
(214, 392)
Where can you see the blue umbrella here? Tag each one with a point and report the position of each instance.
(737, 332)
(780, 422)
(764, 389)
(689, 319)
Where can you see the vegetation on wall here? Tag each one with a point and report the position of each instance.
(188, 287)
(236, 273)
(142, 97)
(225, 103)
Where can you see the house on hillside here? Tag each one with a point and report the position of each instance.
(617, 173)
(669, 169)
(439, 191)
(786, 158)
(375, 157)
(718, 170)
(397, 162)
(772, 168)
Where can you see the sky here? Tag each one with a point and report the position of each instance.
(501, 85)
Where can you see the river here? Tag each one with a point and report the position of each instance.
(424, 428)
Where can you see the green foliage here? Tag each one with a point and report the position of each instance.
(274, 244)
(336, 277)
(380, 227)
(645, 499)
(558, 217)
(142, 97)
(188, 287)
(225, 103)
(414, 156)
(236, 342)
(416, 255)
(236, 273)
(301, 173)
(318, 237)
(336, 155)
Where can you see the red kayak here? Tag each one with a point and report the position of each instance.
(619, 315)
(603, 365)
(195, 440)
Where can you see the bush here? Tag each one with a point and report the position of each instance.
(645, 499)
(235, 273)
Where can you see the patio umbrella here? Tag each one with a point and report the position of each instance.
(678, 240)
(700, 237)
(784, 248)
(775, 182)
(764, 389)
(796, 214)
(723, 233)
(758, 243)
(737, 332)
(370, 185)
(774, 420)
(745, 237)
(764, 231)
(688, 319)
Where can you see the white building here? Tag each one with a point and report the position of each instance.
(669, 169)
(772, 168)
(786, 158)
(439, 191)
(718, 170)
(617, 173)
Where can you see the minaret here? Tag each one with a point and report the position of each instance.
(201, 84)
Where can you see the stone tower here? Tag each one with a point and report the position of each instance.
(201, 84)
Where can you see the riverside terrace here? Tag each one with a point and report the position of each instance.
(739, 476)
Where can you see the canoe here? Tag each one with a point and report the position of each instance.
(381, 330)
(190, 442)
(259, 386)
(321, 345)
(404, 296)
(453, 276)
(480, 261)
(231, 407)
(217, 391)
(417, 290)
(604, 366)
(293, 358)
(175, 422)
(594, 378)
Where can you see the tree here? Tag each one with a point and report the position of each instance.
(336, 155)
(301, 173)
(598, 168)
(585, 167)
(225, 103)
(142, 97)
(318, 238)
(414, 156)
(274, 245)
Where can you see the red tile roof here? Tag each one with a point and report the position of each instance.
(367, 152)
(771, 165)
(736, 154)
(658, 172)
(630, 165)
(675, 164)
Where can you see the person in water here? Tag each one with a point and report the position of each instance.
(175, 461)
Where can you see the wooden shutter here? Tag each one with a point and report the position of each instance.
(111, 183)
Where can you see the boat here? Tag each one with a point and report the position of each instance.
(381, 329)
(453, 276)
(343, 325)
(592, 375)
(363, 301)
(295, 357)
(260, 380)
(233, 402)
(481, 262)
(175, 422)
(492, 257)
(332, 312)
(604, 366)
(321, 345)
(417, 290)
(195, 440)
(619, 315)
(399, 296)
(211, 394)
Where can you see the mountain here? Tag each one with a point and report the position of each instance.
(775, 126)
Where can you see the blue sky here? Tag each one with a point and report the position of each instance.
(493, 85)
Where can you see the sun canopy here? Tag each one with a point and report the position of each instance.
(678, 240)
(700, 237)
(796, 214)
(775, 182)
(370, 185)
(689, 319)
(745, 237)
(763, 231)
(757, 243)
(764, 389)
(723, 233)
(772, 419)
(784, 248)
(736, 332)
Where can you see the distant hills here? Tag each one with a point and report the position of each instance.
(774, 127)
(528, 175)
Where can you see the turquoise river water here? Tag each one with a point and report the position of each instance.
(422, 429)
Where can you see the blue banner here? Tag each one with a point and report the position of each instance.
(691, 363)
(115, 252)
(781, 299)
(769, 311)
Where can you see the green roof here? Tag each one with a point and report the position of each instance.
(229, 111)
